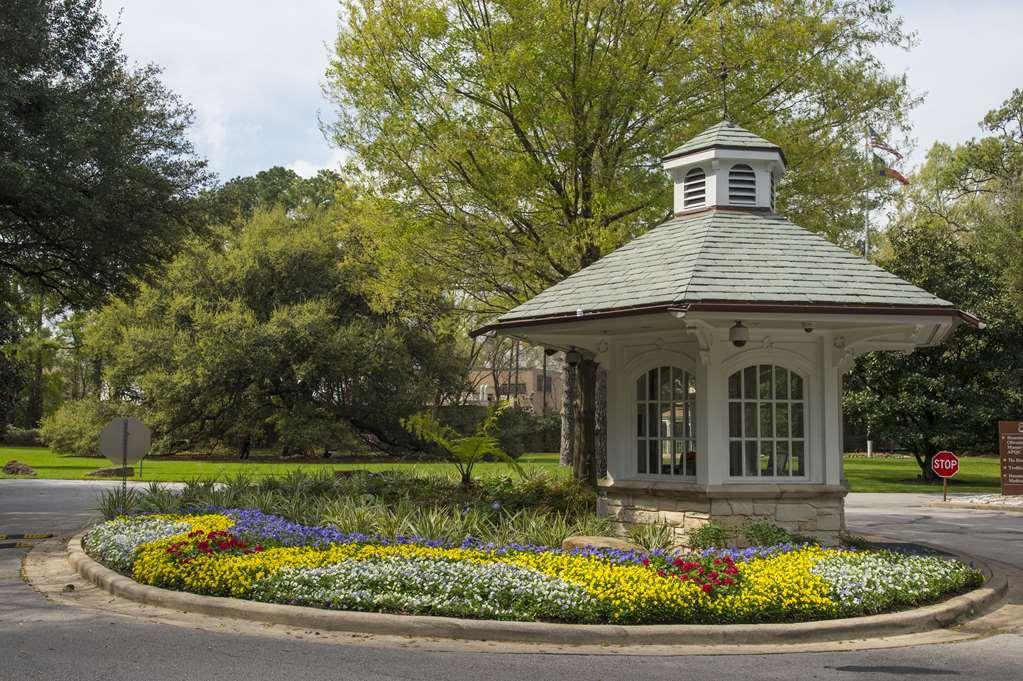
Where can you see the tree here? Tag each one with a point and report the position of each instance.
(523, 137)
(97, 178)
(266, 337)
(519, 140)
(945, 239)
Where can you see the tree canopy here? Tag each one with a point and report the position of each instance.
(949, 238)
(519, 140)
(265, 337)
(97, 177)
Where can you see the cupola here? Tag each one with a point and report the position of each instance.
(725, 166)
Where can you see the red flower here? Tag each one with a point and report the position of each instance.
(707, 588)
(646, 562)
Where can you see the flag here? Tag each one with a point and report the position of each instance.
(878, 142)
(884, 170)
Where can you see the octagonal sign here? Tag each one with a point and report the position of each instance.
(945, 464)
(125, 441)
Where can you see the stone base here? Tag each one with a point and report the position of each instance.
(812, 510)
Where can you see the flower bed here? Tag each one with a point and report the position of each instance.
(248, 554)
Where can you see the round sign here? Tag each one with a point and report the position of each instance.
(945, 464)
(124, 441)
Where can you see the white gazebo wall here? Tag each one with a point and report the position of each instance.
(812, 504)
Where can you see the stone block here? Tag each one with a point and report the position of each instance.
(764, 508)
(720, 507)
(829, 522)
(742, 507)
(795, 513)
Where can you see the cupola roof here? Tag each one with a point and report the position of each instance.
(725, 135)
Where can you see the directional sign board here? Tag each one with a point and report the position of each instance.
(124, 441)
(1010, 445)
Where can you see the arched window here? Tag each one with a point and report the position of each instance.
(742, 186)
(766, 423)
(694, 188)
(665, 422)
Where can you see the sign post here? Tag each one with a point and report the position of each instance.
(945, 465)
(1010, 450)
(123, 442)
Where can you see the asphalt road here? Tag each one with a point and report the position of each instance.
(43, 640)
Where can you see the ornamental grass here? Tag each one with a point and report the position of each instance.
(244, 553)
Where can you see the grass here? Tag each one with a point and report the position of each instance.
(52, 466)
(976, 474)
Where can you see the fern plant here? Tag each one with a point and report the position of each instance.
(465, 452)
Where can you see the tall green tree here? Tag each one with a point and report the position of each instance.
(957, 234)
(97, 178)
(266, 337)
(521, 139)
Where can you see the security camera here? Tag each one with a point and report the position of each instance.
(738, 334)
(808, 327)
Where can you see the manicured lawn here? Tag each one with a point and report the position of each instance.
(976, 474)
(49, 465)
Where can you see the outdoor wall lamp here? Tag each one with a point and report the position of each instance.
(738, 334)
(573, 357)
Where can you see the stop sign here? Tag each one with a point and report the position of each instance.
(945, 464)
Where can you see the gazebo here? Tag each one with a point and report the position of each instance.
(725, 332)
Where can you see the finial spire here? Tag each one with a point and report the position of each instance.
(723, 73)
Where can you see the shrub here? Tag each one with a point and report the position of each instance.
(709, 536)
(653, 536)
(763, 533)
(117, 501)
(518, 430)
(75, 427)
(21, 437)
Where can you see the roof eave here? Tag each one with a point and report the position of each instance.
(738, 307)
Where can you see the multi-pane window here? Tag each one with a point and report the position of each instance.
(766, 423)
(665, 422)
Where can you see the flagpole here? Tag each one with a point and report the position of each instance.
(866, 197)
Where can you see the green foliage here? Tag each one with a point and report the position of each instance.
(115, 502)
(517, 429)
(653, 536)
(75, 427)
(98, 173)
(465, 451)
(950, 396)
(763, 533)
(266, 338)
(22, 437)
(518, 141)
(709, 536)
(536, 509)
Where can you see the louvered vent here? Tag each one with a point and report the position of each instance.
(742, 186)
(694, 188)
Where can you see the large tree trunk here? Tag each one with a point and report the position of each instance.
(924, 461)
(584, 463)
(568, 416)
(34, 409)
(600, 427)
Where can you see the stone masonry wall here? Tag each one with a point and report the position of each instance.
(821, 516)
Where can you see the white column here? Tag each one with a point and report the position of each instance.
(832, 407)
(715, 451)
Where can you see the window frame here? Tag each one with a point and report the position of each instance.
(774, 402)
(690, 442)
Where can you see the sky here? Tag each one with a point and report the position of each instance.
(254, 70)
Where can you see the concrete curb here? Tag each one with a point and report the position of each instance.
(938, 616)
(981, 507)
